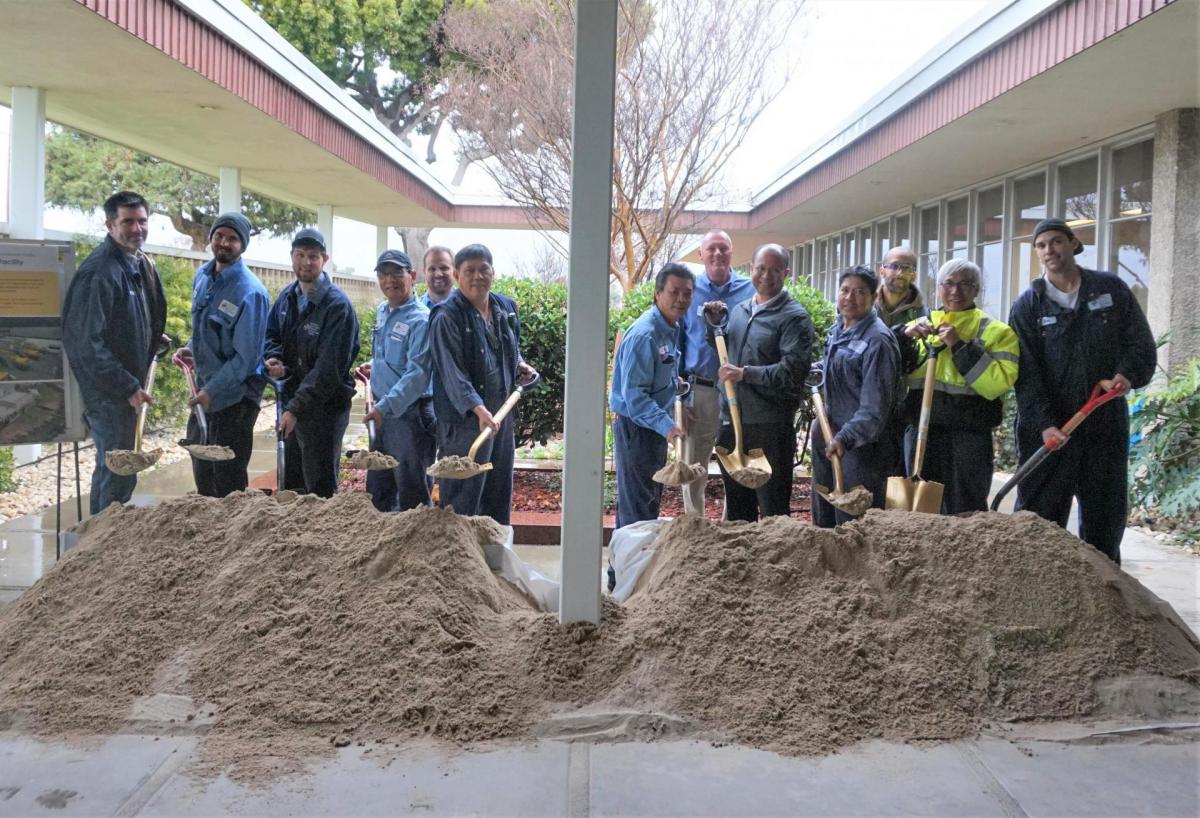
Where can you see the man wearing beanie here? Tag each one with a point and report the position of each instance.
(229, 319)
(1077, 328)
(312, 340)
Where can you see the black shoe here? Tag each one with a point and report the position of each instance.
(612, 579)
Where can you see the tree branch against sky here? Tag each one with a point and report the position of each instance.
(692, 78)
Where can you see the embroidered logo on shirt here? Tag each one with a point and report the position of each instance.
(400, 330)
(312, 328)
(666, 354)
(227, 307)
(1047, 320)
(858, 347)
(1102, 302)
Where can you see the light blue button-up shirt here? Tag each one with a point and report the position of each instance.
(643, 383)
(401, 368)
(699, 357)
(229, 320)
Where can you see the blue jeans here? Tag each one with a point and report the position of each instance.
(488, 494)
(639, 452)
(113, 426)
(410, 438)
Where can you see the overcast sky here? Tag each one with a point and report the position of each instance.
(841, 54)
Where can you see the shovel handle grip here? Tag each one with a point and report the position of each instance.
(827, 433)
(1098, 398)
(926, 411)
(679, 423)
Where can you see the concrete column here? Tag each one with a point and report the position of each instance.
(325, 225)
(381, 239)
(1174, 302)
(587, 311)
(231, 189)
(27, 164)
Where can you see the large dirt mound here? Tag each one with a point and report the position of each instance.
(328, 620)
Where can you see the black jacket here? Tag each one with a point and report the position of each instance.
(107, 336)
(1064, 353)
(318, 346)
(456, 339)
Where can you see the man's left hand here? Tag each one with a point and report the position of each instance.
(202, 399)
(731, 373)
(373, 415)
(1109, 384)
(525, 374)
(287, 424)
(949, 335)
(835, 448)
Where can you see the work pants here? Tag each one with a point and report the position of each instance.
(895, 433)
(702, 433)
(113, 425)
(232, 426)
(1093, 467)
(861, 466)
(488, 494)
(313, 452)
(959, 459)
(411, 438)
(778, 442)
(639, 452)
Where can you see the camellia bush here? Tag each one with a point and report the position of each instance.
(543, 311)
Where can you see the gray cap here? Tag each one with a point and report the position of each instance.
(397, 257)
(1062, 227)
(237, 223)
(309, 235)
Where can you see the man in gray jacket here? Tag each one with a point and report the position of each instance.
(770, 339)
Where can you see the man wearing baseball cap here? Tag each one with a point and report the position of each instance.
(312, 340)
(229, 319)
(1077, 328)
(401, 371)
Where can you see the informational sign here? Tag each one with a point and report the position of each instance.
(39, 399)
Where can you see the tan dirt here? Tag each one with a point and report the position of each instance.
(854, 502)
(751, 477)
(214, 454)
(454, 467)
(302, 626)
(372, 461)
(679, 473)
(125, 462)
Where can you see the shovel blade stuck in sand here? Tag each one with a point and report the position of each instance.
(123, 461)
(457, 467)
(679, 472)
(915, 493)
(750, 469)
(857, 500)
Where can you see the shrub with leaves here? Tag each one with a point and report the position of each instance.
(543, 311)
(1164, 465)
(7, 481)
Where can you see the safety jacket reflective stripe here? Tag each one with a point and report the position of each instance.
(995, 369)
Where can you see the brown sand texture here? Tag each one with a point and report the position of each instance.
(453, 467)
(679, 473)
(313, 623)
(126, 462)
(213, 454)
(373, 461)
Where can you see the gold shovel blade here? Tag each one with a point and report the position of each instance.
(899, 494)
(928, 499)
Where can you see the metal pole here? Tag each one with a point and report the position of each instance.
(587, 310)
(58, 505)
(78, 485)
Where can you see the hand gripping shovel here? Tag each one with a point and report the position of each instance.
(457, 467)
(123, 461)
(856, 501)
(915, 493)
(679, 472)
(750, 469)
(200, 449)
(371, 459)
(1098, 398)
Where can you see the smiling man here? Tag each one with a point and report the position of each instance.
(312, 340)
(113, 320)
(1078, 328)
(439, 275)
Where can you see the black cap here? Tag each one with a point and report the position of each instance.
(237, 223)
(397, 257)
(1062, 227)
(309, 235)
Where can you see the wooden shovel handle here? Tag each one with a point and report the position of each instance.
(735, 414)
(679, 423)
(926, 411)
(141, 420)
(827, 433)
(501, 413)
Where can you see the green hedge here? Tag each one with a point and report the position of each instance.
(7, 481)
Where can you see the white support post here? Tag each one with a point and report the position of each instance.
(587, 311)
(231, 190)
(381, 239)
(325, 225)
(27, 164)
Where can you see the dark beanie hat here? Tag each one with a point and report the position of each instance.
(1062, 227)
(237, 223)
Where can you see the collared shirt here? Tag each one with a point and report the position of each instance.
(775, 299)
(699, 358)
(229, 320)
(862, 365)
(429, 302)
(401, 367)
(643, 383)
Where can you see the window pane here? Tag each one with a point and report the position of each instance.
(990, 258)
(927, 267)
(929, 230)
(864, 245)
(883, 240)
(1077, 196)
(850, 248)
(902, 237)
(1087, 237)
(1024, 264)
(1133, 177)
(956, 226)
(1029, 202)
(835, 253)
(821, 263)
(1129, 256)
(989, 220)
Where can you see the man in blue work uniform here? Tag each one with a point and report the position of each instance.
(700, 362)
(401, 372)
(862, 369)
(644, 384)
(475, 341)
(229, 320)
(312, 340)
(1077, 328)
(113, 319)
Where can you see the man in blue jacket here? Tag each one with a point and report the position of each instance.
(401, 372)
(312, 340)
(1077, 328)
(229, 319)
(113, 319)
(642, 397)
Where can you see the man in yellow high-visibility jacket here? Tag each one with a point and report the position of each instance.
(977, 366)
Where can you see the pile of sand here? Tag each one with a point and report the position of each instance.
(752, 477)
(326, 620)
(126, 462)
(679, 473)
(453, 467)
(372, 461)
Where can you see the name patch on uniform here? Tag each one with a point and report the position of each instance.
(1047, 320)
(227, 307)
(400, 330)
(665, 354)
(1100, 302)
(858, 347)
(312, 328)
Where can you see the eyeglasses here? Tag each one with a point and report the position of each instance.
(899, 268)
(957, 285)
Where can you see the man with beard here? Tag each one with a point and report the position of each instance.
(439, 271)
(898, 303)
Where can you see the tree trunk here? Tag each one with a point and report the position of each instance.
(416, 242)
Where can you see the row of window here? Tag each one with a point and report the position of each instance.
(1105, 194)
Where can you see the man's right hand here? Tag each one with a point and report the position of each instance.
(183, 357)
(486, 421)
(275, 368)
(1053, 434)
(140, 397)
(676, 433)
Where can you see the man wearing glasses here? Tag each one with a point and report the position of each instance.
(898, 302)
